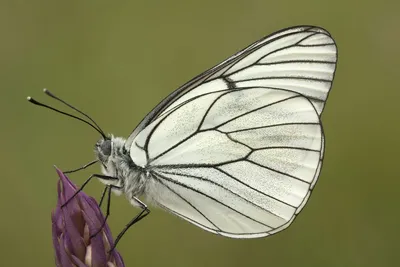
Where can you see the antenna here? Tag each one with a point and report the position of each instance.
(47, 92)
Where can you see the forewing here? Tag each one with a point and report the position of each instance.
(300, 59)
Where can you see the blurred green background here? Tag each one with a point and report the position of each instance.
(117, 59)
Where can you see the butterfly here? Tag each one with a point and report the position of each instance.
(238, 149)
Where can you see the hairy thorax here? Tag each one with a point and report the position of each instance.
(116, 162)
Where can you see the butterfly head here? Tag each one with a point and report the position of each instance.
(103, 149)
(108, 150)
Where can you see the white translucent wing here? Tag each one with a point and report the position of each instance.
(242, 164)
(300, 59)
(238, 151)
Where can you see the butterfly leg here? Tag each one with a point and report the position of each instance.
(109, 187)
(102, 195)
(82, 167)
(104, 177)
(145, 211)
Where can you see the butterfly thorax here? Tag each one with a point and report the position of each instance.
(116, 162)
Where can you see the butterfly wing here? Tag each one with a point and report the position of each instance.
(308, 46)
(238, 149)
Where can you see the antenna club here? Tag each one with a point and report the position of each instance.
(47, 92)
(33, 101)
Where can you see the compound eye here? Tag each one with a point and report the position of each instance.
(106, 147)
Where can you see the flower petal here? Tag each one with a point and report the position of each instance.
(118, 259)
(69, 185)
(56, 243)
(93, 204)
(90, 206)
(109, 242)
(64, 257)
(98, 251)
(78, 262)
(107, 237)
(72, 214)
(88, 257)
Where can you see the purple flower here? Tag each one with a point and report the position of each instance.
(74, 224)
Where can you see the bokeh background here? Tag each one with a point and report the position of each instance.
(117, 59)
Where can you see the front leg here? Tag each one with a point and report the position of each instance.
(104, 177)
(82, 167)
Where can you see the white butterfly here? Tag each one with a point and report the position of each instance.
(238, 149)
